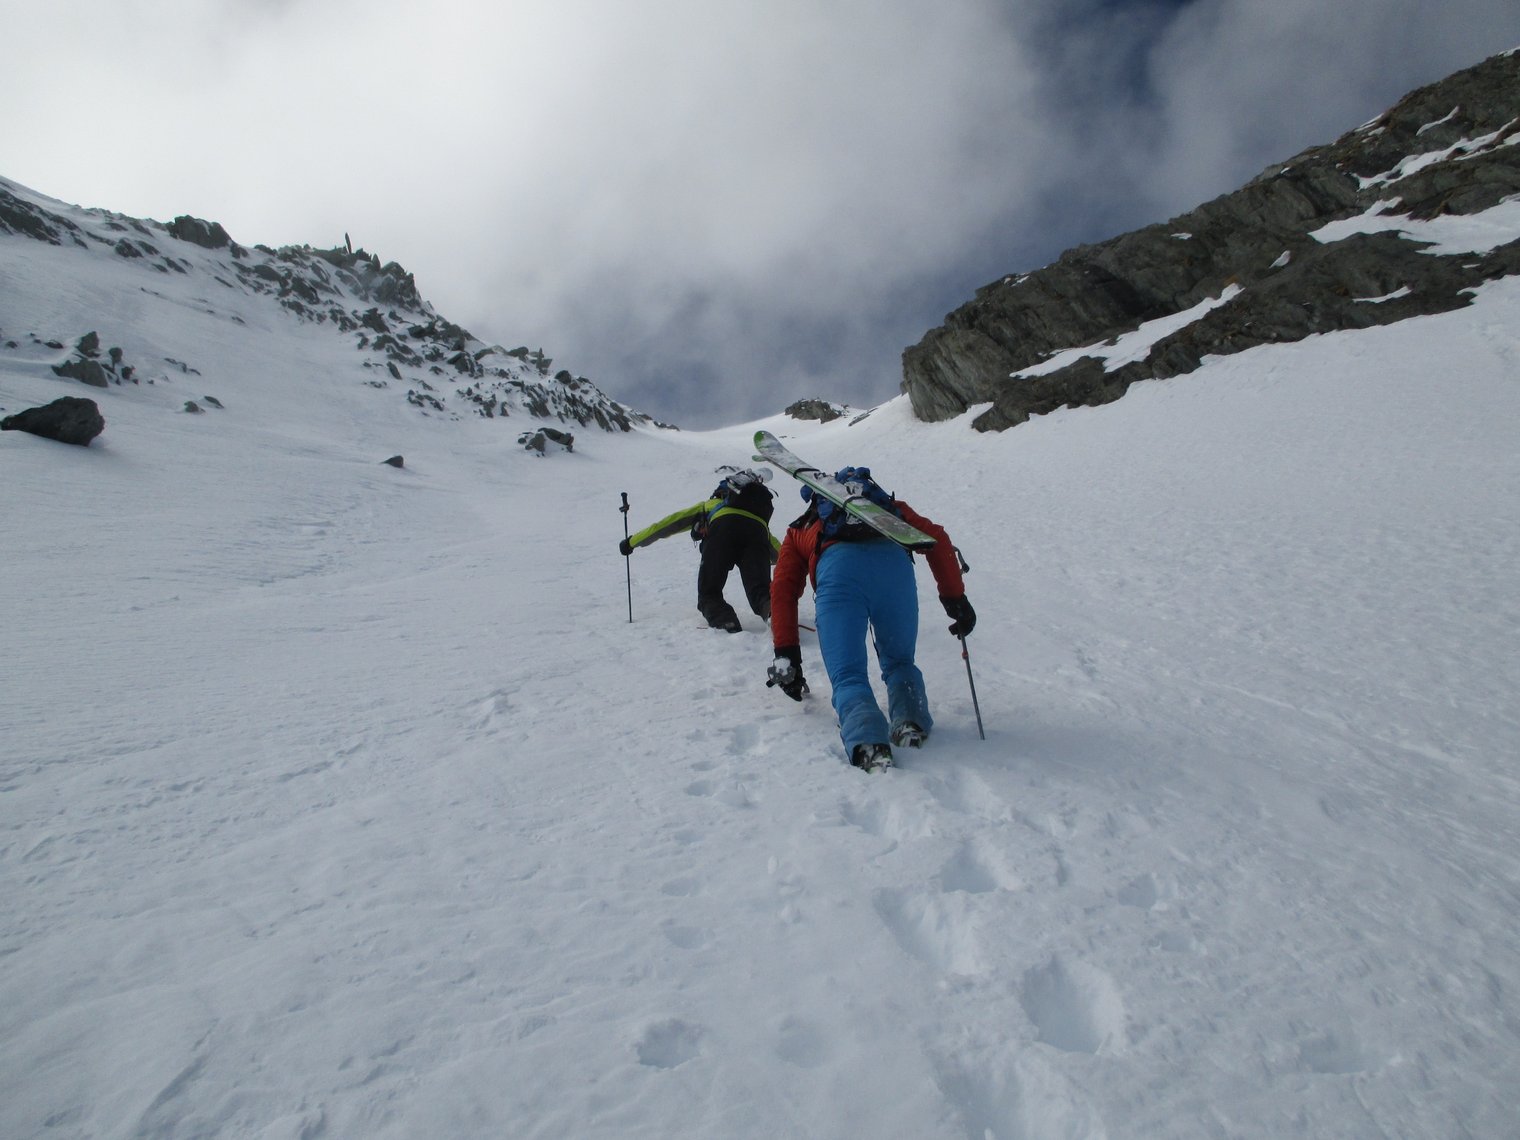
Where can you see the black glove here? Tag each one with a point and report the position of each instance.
(623, 548)
(961, 613)
(785, 672)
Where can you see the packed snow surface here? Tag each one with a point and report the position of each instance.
(345, 800)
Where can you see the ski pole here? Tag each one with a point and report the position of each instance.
(966, 657)
(627, 563)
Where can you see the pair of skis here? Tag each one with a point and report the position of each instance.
(771, 450)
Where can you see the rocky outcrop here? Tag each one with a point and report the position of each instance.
(538, 441)
(207, 235)
(1247, 268)
(86, 366)
(68, 419)
(820, 410)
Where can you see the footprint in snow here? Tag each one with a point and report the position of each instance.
(669, 1044)
(685, 937)
(1336, 1051)
(491, 713)
(964, 791)
(976, 869)
(1003, 1094)
(890, 817)
(744, 739)
(1143, 892)
(937, 929)
(1075, 1007)
(801, 1043)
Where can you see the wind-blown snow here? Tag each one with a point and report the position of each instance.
(342, 800)
(1459, 152)
(1448, 234)
(1135, 344)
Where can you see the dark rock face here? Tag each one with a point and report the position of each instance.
(539, 440)
(820, 410)
(208, 235)
(1446, 149)
(69, 419)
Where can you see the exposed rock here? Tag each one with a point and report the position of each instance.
(820, 410)
(68, 419)
(18, 216)
(1257, 240)
(85, 370)
(194, 409)
(208, 235)
(539, 440)
(394, 461)
(86, 367)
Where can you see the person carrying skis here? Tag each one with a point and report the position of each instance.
(862, 580)
(733, 528)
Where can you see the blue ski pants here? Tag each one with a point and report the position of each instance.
(861, 586)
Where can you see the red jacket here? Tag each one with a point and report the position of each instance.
(798, 564)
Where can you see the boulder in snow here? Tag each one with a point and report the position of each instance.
(68, 419)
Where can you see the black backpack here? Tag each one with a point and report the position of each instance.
(742, 490)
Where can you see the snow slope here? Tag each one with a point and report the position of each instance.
(342, 800)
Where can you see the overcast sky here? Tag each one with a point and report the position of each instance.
(709, 207)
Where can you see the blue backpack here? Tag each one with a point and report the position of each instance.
(838, 524)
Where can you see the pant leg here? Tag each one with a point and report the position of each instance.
(843, 607)
(755, 568)
(894, 625)
(718, 558)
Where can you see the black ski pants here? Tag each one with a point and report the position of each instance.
(734, 541)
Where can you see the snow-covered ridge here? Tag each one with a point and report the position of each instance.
(401, 344)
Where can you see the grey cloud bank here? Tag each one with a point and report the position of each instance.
(711, 210)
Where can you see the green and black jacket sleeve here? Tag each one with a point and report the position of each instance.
(678, 523)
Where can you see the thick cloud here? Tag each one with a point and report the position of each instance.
(709, 207)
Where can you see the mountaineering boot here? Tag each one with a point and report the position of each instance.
(908, 735)
(719, 614)
(871, 757)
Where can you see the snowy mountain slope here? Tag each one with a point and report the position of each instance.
(341, 800)
(399, 346)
